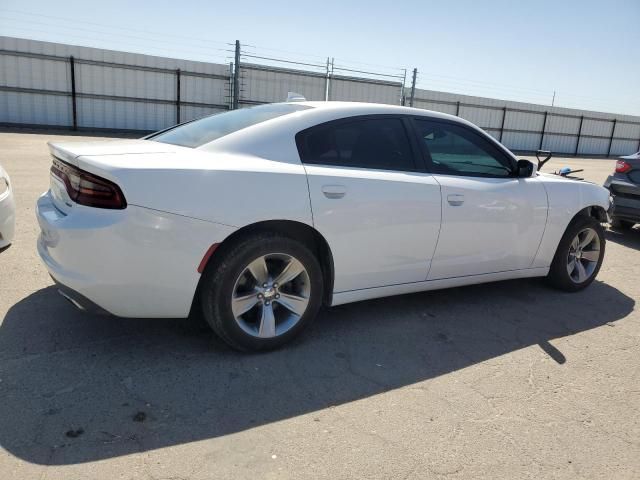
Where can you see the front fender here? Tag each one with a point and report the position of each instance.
(567, 198)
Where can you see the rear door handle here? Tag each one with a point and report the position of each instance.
(334, 191)
(455, 199)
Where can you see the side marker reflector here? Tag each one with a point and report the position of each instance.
(207, 256)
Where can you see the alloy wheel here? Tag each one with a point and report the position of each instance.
(271, 295)
(584, 254)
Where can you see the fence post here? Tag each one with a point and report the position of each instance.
(613, 131)
(504, 115)
(413, 87)
(458, 108)
(544, 126)
(404, 80)
(236, 77)
(74, 108)
(330, 78)
(231, 85)
(575, 154)
(326, 83)
(177, 95)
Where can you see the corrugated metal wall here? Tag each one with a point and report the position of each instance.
(115, 90)
(364, 90)
(528, 127)
(262, 84)
(119, 90)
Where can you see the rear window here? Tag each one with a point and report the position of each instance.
(199, 132)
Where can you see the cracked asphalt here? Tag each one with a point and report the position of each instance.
(505, 380)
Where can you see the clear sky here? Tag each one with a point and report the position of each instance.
(587, 51)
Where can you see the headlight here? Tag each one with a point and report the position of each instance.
(4, 186)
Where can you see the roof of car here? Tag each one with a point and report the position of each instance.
(365, 108)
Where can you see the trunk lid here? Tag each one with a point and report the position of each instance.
(70, 151)
(104, 158)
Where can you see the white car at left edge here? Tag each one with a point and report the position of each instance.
(7, 209)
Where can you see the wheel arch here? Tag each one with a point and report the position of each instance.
(595, 211)
(295, 230)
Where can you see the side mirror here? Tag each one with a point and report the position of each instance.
(525, 169)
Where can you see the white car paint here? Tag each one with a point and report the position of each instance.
(384, 228)
(488, 225)
(565, 198)
(388, 232)
(7, 209)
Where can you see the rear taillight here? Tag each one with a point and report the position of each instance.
(622, 166)
(87, 189)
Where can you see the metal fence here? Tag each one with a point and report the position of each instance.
(528, 127)
(59, 85)
(65, 86)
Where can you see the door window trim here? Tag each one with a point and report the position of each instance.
(416, 155)
(495, 150)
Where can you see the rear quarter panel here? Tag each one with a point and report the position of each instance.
(229, 189)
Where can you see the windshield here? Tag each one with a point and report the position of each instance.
(197, 133)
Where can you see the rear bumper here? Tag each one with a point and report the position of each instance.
(135, 262)
(78, 300)
(626, 199)
(627, 213)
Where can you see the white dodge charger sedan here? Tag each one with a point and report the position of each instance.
(260, 216)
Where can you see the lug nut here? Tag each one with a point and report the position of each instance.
(275, 285)
(260, 296)
(264, 285)
(267, 303)
(277, 295)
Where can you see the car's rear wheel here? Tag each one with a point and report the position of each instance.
(579, 255)
(621, 224)
(264, 291)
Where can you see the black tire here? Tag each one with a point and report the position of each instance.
(621, 224)
(558, 275)
(220, 278)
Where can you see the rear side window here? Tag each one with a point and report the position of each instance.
(456, 150)
(380, 143)
(199, 132)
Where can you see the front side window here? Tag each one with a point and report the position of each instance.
(365, 143)
(456, 150)
(199, 132)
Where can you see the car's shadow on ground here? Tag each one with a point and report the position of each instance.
(78, 388)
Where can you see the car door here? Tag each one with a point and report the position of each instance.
(371, 200)
(492, 221)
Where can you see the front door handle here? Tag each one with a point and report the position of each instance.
(455, 199)
(334, 191)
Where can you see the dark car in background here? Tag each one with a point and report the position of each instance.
(624, 186)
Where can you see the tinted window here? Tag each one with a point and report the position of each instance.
(456, 150)
(368, 143)
(205, 130)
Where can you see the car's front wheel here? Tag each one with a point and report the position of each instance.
(579, 255)
(263, 292)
